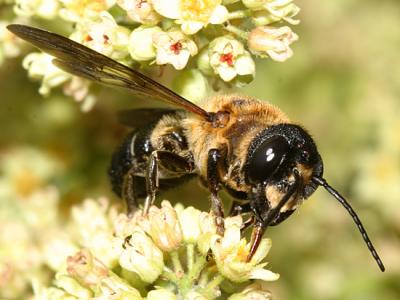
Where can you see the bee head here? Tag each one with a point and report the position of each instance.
(283, 167)
(282, 158)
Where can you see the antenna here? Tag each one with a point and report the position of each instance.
(347, 206)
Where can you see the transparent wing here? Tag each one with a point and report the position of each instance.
(139, 117)
(82, 61)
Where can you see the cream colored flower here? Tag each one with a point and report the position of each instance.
(114, 287)
(97, 234)
(78, 89)
(208, 230)
(231, 251)
(141, 256)
(189, 218)
(140, 11)
(163, 226)
(46, 9)
(40, 66)
(173, 47)
(272, 41)
(193, 15)
(192, 85)
(102, 33)
(141, 46)
(71, 286)
(229, 59)
(193, 295)
(277, 9)
(87, 269)
(161, 294)
(76, 10)
(255, 291)
(9, 43)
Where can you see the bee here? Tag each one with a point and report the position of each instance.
(245, 146)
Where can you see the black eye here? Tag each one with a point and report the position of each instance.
(267, 158)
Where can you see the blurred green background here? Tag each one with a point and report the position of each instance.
(343, 85)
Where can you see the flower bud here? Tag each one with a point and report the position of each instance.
(46, 9)
(142, 256)
(84, 267)
(255, 291)
(203, 63)
(115, 288)
(192, 295)
(141, 47)
(272, 41)
(140, 11)
(161, 294)
(163, 226)
(97, 234)
(77, 10)
(208, 229)
(72, 286)
(192, 85)
(264, 17)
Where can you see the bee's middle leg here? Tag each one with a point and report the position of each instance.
(213, 163)
(176, 165)
(152, 181)
(129, 193)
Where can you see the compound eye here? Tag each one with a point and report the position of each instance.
(267, 158)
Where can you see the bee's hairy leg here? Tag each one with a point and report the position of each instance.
(129, 192)
(213, 165)
(152, 182)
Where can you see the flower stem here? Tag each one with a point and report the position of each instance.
(177, 264)
(189, 256)
(239, 14)
(210, 288)
(187, 281)
(237, 31)
(170, 275)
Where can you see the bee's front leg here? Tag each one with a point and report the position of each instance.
(213, 166)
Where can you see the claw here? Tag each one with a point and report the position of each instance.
(256, 236)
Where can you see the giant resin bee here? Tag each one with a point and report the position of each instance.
(248, 147)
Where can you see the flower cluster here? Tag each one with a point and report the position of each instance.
(215, 38)
(171, 253)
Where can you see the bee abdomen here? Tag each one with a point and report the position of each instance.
(121, 163)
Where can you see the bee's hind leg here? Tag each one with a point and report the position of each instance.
(213, 165)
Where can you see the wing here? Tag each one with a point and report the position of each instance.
(82, 61)
(142, 116)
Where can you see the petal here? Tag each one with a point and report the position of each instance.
(170, 9)
(180, 61)
(219, 15)
(264, 274)
(226, 73)
(191, 27)
(280, 56)
(244, 65)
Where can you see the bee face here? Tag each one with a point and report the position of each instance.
(274, 157)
